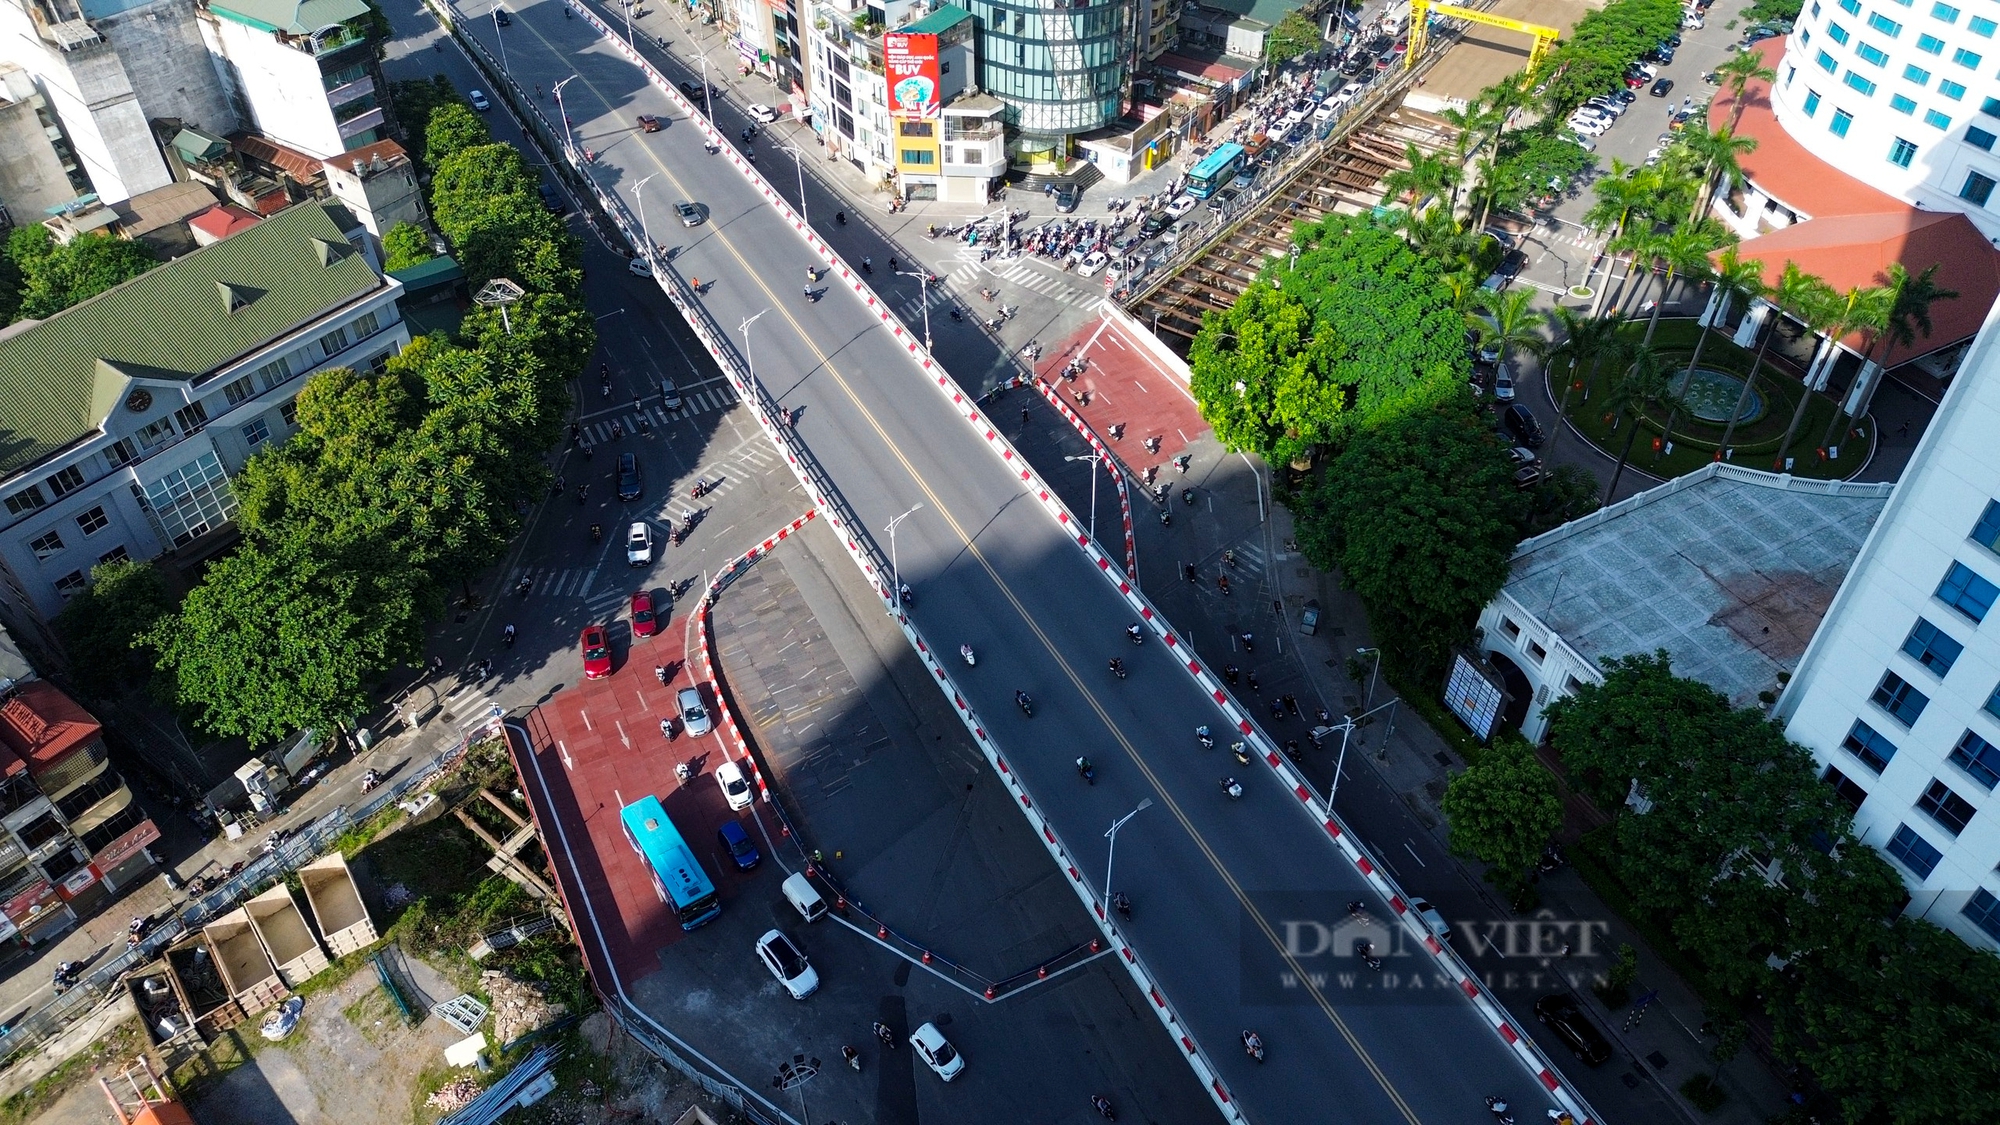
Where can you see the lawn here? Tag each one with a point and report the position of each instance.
(1694, 442)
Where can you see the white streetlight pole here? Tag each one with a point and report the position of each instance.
(495, 14)
(1377, 654)
(1111, 850)
(923, 284)
(799, 160)
(1092, 458)
(895, 569)
(646, 232)
(569, 138)
(749, 365)
(629, 5)
(1346, 729)
(707, 98)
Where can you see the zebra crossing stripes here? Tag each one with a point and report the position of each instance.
(555, 582)
(720, 396)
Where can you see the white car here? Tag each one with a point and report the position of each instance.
(1612, 106)
(1432, 920)
(1093, 262)
(639, 545)
(1593, 113)
(478, 100)
(694, 716)
(937, 1051)
(787, 964)
(639, 267)
(729, 775)
(1181, 205)
(1503, 385)
(1589, 126)
(762, 113)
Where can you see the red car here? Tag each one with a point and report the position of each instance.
(596, 653)
(644, 624)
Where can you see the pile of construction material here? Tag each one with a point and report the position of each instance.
(518, 1006)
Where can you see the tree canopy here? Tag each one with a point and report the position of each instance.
(1592, 59)
(1359, 330)
(101, 624)
(1293, 35)
(1504, 808)
(405, 245)
(53, 276)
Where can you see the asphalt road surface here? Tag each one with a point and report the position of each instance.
(1238, 903)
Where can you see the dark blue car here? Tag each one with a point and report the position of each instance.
(737, 843)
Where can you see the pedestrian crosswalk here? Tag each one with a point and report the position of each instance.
(1041, 279)
(718, 395)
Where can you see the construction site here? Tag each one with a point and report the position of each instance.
(1346, 176)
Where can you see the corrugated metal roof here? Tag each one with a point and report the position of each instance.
(942, 19)
(173, 322)
(300, 17)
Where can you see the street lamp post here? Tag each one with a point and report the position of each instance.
(895, 569)
(923, 282)
(629, 5)
(793, 1076)
(1346, 729)
(799, 159)
(749, 364)
(646, 232)
(569, 137)
(707, 99)
(1377, 654)
(1111, 849)
(495, 14)
(1091, 457)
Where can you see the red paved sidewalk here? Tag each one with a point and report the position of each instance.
(1125, 382)
(599, 746)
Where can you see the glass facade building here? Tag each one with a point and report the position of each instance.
(1061, 69)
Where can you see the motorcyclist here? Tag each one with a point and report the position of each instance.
(903, 592)
(1252, 1044)
(883, 1033)
(507, 636)
(1118, 667)
(1133, 632)
(966, 652)
(1021, 699)
(841, 218)
(1083, 766)
(1201, 735)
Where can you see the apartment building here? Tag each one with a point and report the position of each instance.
(1898, 695)
(131, 411)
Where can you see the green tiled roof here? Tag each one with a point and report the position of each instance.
(943, 19)
(300, 17)
(60, 378)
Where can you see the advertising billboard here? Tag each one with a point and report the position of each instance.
(1474, 693)
(913, 74)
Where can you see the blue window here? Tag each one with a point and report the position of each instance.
(1983, 910)
(1930, 44)
(1884, 24)
(1979, 759)
(1805, 36)
(1863, 742)
(1967, 59)
(1979, 138)
(1900, 699)
(1916, 852)
(1815, 9)
(1944, 12)
(1986, 532)
(1950, 89)
(1812, 102)
(1836, 33)
(1901, 153)
(1982, 27)
(1990, 107)
(1916, 74)
(1841, 120)
(1859, 83)
(1872, 54)
(1936, 120)
(1826, 62)
(1791, 72)
(1901, 104)
(1852, 7)
(1993, 703)
(1927, 644)
(1962, 589)
(1951, 811)
(1977, 190)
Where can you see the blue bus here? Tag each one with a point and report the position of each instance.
(677, 876)
(1215, 171)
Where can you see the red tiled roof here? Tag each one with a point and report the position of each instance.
(288, 160)
(1198, 68)
(1855, 231)
(223, 220)
(42, 725)
(389, 151)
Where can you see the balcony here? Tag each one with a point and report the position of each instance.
(988, 130)
(352, 91)
(355, 126)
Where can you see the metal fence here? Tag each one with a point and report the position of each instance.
(304, 846)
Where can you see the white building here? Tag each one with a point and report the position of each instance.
(1903, 95)
(130, 411)
(303, 72)
(1728, 570)
(1899, 694)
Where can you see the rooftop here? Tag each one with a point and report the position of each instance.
(1850, 231)
(300, 17)
(60, 377)
(1727, 569)
(42, 726)
(224, 219)
(1265, 12)
(943, 18)
(162, 207)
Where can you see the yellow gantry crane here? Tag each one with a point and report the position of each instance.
(1420, 10)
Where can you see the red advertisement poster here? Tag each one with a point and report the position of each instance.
(913, 74)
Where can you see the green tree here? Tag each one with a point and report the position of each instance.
(1720, 153)
(1503, 809)
(1511, 322)
(1909, 315)
(1568, 492)
(101, 624)
(56, 276)
(1582, 345)
(1735, 281)
(405, 245)
(1858, 310)
(1682, 255)
(1424, 176)
(1796, 291)
(414, 100)
(1418, 514)
(486, 202)
(1294, 35)
(1360, 327)
(283, 639)
(1643, 381)
(1738, 71)
(453, 128)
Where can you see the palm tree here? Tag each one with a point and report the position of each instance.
(1734, 280)
(1721, 154)
(1582, 344)
(1644, 381)
(1909, 314)
(1742, 69)
(1617, 195)
(1858, 310)
(1685, 251)
(1796, 289)
(1641, 242)
(1514, 323)
(1428, 174)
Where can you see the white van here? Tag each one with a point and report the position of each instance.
(804, 899)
